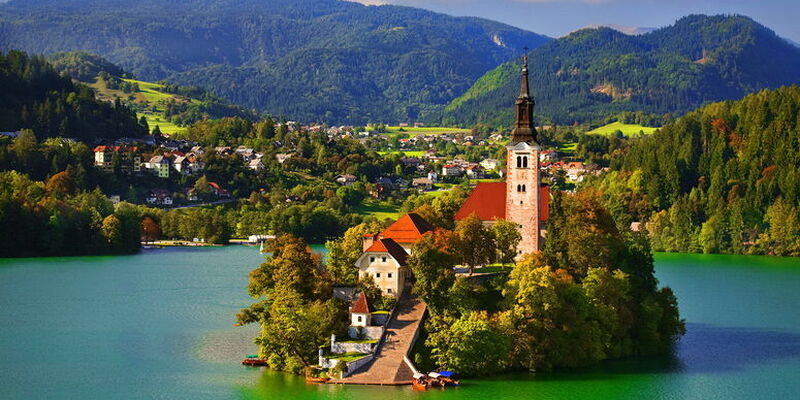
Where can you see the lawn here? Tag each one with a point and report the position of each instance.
(378, 209)
(408, 153)
(359, 341)
(346, 357)
(149, 95)
(568, 147)
(627, 129)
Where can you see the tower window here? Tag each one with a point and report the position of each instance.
(520, 203)
(523, 188)
(525, 162)
(519, 161)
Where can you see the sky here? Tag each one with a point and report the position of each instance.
(557, 18)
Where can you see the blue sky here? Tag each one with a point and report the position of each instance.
(559, 17)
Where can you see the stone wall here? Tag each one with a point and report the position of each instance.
(372, 332)
(340, 347)
(380, 319)
(353, 366)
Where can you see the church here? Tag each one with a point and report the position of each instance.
(522, 198)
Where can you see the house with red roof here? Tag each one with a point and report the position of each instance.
(522, 198)
(360, 314)
(386, 253)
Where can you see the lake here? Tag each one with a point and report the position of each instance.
(159, 324)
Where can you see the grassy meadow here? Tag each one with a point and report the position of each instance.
(626, 129)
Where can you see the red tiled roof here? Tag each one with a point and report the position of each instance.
(389, 246)
(487, 201)
(360, 306)
(99, 149)
(408, 229)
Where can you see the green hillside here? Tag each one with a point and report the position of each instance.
(35, 96)
(169, 107)
(592, 74)
(311, 60)
(724, 178)
(626, 129)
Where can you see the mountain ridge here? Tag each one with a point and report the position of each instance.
(314, 60)
(594, 73)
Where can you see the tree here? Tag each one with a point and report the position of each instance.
(151, 231)
(506, 239)
(61, 185)
(474, 244)
(473, 345)
(143, 123)
(289, 265)
(293, 329)
(112, 231)
(782, 237)
(343, 252)
(433, 270)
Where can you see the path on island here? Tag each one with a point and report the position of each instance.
(388, 367)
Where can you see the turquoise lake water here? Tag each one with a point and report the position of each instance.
(159, 325)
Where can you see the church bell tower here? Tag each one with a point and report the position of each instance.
(522, 165)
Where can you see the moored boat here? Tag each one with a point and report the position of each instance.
(317, 379)
(420, 382)
(434, 379)
(448, 378)
(253, 361)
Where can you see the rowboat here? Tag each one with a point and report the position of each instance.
(447, 378)
(314, 379)
(420, 382)
(253, 361)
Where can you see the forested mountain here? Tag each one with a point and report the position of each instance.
(328, 60)
(173, 104)
(35, 96)
(725, 178)
(593, 73)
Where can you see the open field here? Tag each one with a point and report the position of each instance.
(426, 130)
(408, 153)
(626, 129)
(378, 209)
(149, 96)
(568, 147)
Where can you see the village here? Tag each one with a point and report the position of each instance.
(428, 170)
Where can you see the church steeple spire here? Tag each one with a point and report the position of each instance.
(524, 131)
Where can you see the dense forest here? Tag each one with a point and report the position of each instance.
(724, 178)
(593, 73)
(35, 96)
(326, 60)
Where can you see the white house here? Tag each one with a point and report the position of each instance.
(360, 316)
(385, 262)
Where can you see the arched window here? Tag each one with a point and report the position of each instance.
(525, 162)
(519, 162)
(519, 188)
(523, 188)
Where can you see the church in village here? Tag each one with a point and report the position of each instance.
(521, 199)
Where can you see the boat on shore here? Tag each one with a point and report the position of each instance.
(420, 382)
(317, 379)
(253, 361)
(448, 377)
